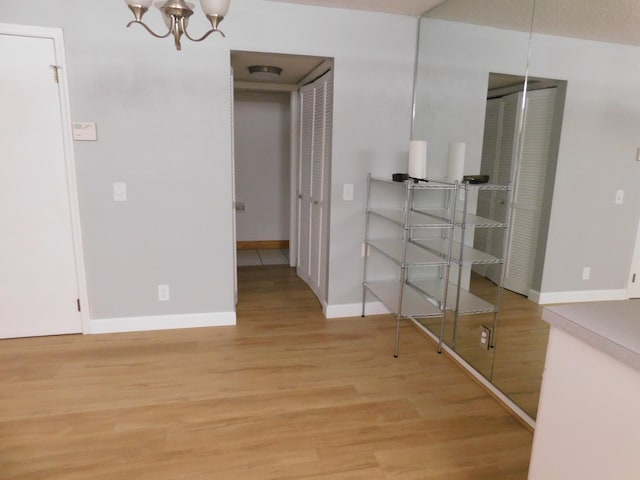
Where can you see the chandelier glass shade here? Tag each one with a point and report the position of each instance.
(176, 15)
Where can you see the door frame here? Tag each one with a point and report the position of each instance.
(56, 35)
(633, 289)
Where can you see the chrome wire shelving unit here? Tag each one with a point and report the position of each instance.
(459, 300)
(400, 296)
(433, 295)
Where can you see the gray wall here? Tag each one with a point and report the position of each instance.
(596, 157)
(164, 128)
(262, 164)
(597, 146)
(455, 60)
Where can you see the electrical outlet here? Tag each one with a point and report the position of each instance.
(619, 197)
(163, 293)
(586, 273)
(485, 337)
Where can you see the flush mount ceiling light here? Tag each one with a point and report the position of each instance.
(176, 15)
(265, 72)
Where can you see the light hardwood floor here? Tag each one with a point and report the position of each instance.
(285, 394)
(515, 366)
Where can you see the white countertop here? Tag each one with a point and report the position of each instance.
(611, 327)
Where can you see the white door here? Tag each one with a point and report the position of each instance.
(498, 151)
(529, 190)
(528, 183)
(38, 282)
(634, 277)
(316, 111)
(233, 192)
(491, 151)
(319, 177)
(307, 101)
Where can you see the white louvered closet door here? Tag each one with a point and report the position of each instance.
(489, 166)
(529, 185)
(498, 152)
(320, 163)
(307, 101)
(315, 160)
(508, 134)
(529, 190)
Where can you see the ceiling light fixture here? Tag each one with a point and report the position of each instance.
(265, 72)
(176, 15)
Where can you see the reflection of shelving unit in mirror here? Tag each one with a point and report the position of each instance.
(460, 300)
(399, 216)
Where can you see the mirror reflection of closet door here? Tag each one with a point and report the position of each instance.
(530, 189)
(529, 181)
(498, 152)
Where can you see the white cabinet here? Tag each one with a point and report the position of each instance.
(588, 427)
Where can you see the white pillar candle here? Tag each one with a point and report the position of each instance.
(455, 163)
(418, 159)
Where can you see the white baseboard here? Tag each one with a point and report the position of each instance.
(534, 296)
(354, 310)
(161, 322)
(545, 298)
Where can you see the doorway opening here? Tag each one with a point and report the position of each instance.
(532, 178)
(273, 208)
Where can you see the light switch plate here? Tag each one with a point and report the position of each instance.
(347, 191)
(120, 192)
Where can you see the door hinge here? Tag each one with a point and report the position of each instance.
(56, 72)
(78, 304)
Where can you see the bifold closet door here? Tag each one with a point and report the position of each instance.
(498, 151)
(38, 283)
(498, 157)
(307, 102)
(530, 191)
(316, 110)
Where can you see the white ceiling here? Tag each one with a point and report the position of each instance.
(295, 68)
(616, 21)
(403, 7)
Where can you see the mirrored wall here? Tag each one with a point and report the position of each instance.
(552, 112)
(470, 81)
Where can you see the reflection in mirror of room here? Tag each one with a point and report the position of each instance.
(519, 361)
(454, 62)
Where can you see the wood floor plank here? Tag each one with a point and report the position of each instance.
(286, 394)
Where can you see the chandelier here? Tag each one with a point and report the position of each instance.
(176, 15)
